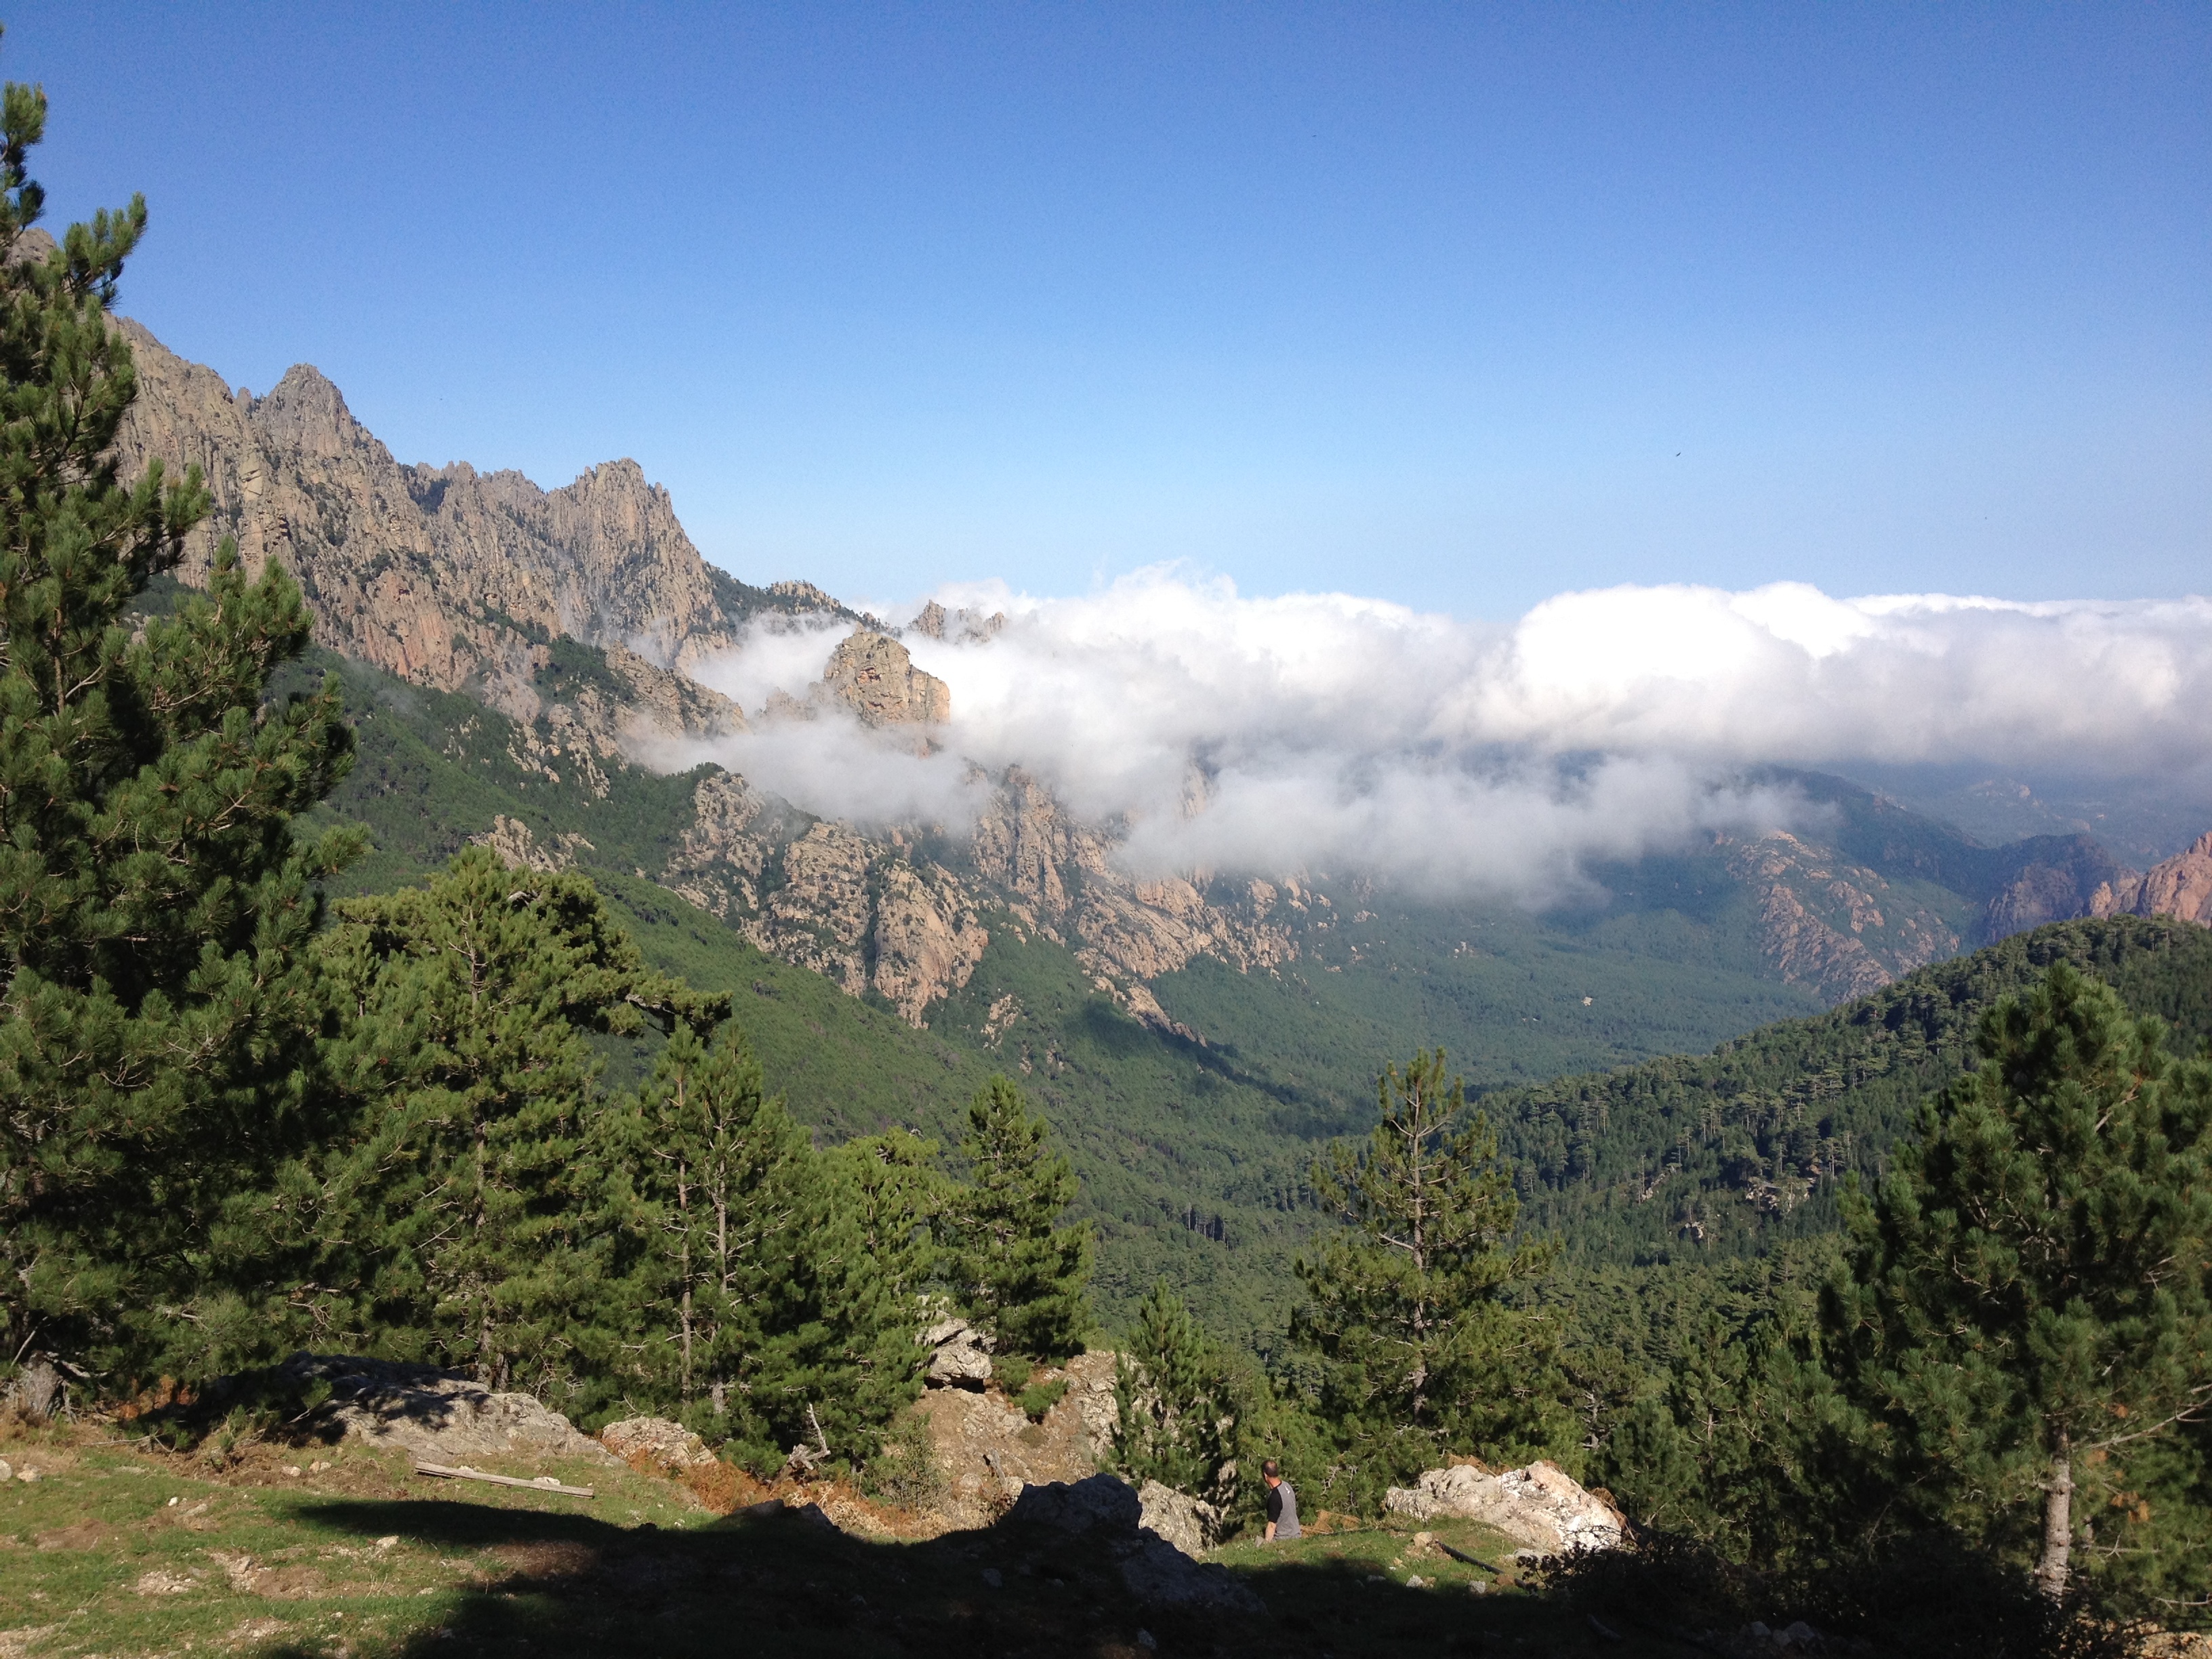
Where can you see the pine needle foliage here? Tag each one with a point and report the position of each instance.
(898, 1196)
(770, 1323)
(1015, 1268)
(1176, 1415)
(462, 1012)
(156, 1020)
(1408, 1308)
(2026, 1303)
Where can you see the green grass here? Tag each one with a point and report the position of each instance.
(96, 1560)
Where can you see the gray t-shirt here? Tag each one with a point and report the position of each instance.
(1283, 1509)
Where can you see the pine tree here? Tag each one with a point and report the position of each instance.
(1017, 1270)
(897, 1196)
(1175, 1412)
(2026, 1304)
(156, 1022)
(1408, 1310)
(464, 1211)
(771, 1324)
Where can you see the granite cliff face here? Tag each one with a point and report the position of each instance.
(442, 575)
(1827, 922)
(877, 911)
(2181, 888)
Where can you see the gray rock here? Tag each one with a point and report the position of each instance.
(1078, 1507)
(1540, 1506)
(1159, 1575)
(1191, 1525)
(436, 1415)
(961, 1355)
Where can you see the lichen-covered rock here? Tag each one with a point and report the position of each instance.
(436, 1415)
(1541, 1506)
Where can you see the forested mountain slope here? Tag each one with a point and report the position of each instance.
(1711, 1155)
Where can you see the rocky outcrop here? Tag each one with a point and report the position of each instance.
(2181, 888)
(1102, 1516)
(437, 1415)
(927, 936)
(518, 849)
(990, 1451)
(2043, 880)
(935, 621)
(443, 576)
(656, 1443)
(1828, 923)
(1541, 1507)
(959, 1355)
(1191, 1525)
(871, 674)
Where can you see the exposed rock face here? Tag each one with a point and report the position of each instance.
(2181, 888)
(1104, 1515)
(936, 622)
(520, 849)
(1831, 924)
(436, 1414)
(2058, 879)
(871, 674)
(442, 575)
(992, 1452)
(1191, 1525)
(960, 1355)
(656, 1440)
(1541, 1507)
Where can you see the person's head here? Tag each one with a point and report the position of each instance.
(1271, 1472)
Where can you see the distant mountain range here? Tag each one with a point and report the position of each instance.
(464, 581)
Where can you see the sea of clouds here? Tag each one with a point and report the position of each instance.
(1327, 733)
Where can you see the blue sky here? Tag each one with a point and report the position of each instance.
(1458, 306)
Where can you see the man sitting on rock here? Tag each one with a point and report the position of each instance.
(1282, 1502)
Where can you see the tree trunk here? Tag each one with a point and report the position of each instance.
(2058, 1523)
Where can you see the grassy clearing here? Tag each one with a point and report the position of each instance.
(364, 1560)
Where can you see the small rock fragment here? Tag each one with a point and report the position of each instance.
(1417, 1582)
(7, 1471)
(28, 1473)
(993, 1578)
(292, 1469)
(1146, 1640)
(387, 1541)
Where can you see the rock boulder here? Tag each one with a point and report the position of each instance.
(437, 1415)
(1541, 1507)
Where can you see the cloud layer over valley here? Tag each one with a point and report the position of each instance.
(1329, 732)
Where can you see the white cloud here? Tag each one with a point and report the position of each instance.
(1335, 733)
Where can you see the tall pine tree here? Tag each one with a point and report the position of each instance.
(1176, 1411)
(1407, 1309)
(156, 1022)
(766, 1323)
(1014, 1268)
(2026, 1305)
(462, 1217)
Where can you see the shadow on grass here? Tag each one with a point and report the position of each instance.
(571, 1584)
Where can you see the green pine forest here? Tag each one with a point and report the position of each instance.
(286, 1062)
